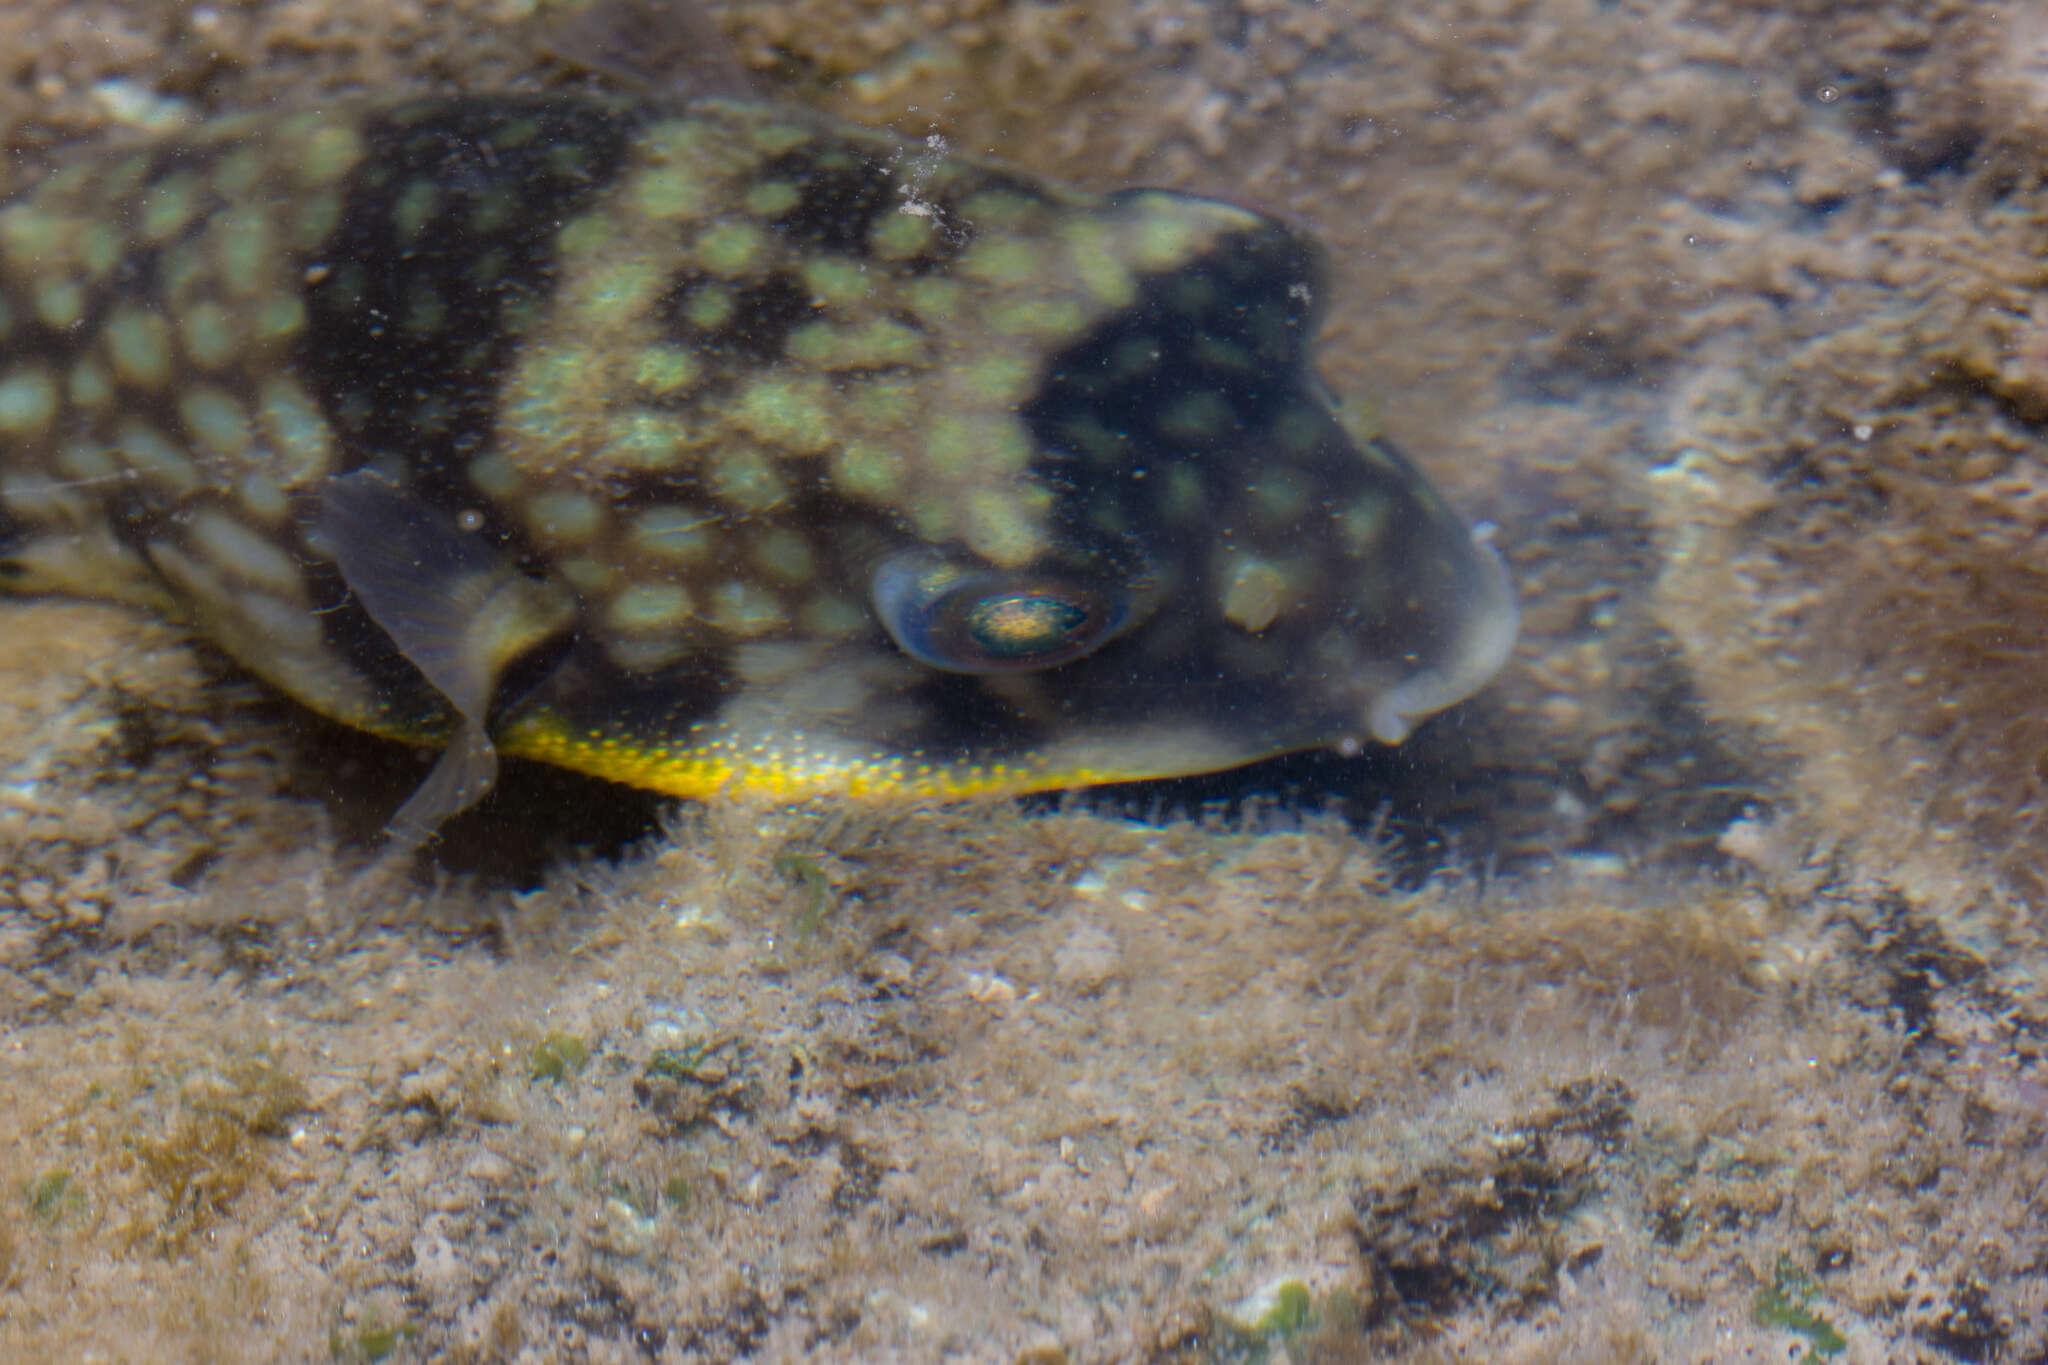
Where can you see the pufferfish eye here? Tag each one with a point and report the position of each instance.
(974, 619)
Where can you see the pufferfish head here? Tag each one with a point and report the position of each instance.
(1231, 574)
(1211, 569)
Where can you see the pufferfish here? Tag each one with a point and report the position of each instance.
(708, 446)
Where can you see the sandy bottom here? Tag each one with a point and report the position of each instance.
(1703, 1041)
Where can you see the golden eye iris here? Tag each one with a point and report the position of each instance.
(1019, 626)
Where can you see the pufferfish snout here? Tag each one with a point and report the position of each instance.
(708, 446)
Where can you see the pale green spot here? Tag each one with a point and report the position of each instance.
(149, 452)
(833, 617)
(569, 160)
(1003, 379)
(487, 268)
(214, 420)
(583, 236)
(425, 312)
(900, 236)
(495, 476)
(1091, 248)
(863, 469)
(100, 249)
(515, 133)
(589, 576)
(1091, 438)
(1000, 529)
(86, 460)
(1197, 417)
(330, 154)
(139, 346)
(179, 270)
(209, 340)
(229, 545)
(744, 609)
(790, 413)
(773, 198)
(168, 206)
(730, 247)
(709, 307)
(870, 345)
(1214, 353)
(296, 427)
(614, 295)
(671, 196)
(650, 440)
(1184, 499)
(953, 446)
(1054, 319)
(237, 173)
(774, 139)
(673, 533)
(685, 139)
(1298, 430)
(61, 303)
(90, 387)
(998, 209)
(280, 316)
(1279, 501)
(40, 498)
(28, 401)
(746, 478)
(244, 244)
(887, 403)
(836, 282)
(785, 555)
(649, 607)
(666, 370)
(564, 517)
(492, 210)
(262, 497)
(29, 234)
(1003, 262)
(934, 297)
(316, 217)
(1254, 594)
(1363, 523)
(1165, 238)
(414, 210)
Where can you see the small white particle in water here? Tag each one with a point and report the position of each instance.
(1863, 431)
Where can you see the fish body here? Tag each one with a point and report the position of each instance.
(704, 445)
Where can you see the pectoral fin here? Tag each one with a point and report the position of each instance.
(456, 608)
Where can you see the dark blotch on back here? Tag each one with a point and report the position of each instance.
(425, 399)
(843, 195)
(1233, 325)
(846, 194)
(427, 396)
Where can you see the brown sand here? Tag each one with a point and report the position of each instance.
(1729, 313)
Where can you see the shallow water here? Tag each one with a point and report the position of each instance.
(1679, 997)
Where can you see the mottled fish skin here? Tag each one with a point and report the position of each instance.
(809, 460)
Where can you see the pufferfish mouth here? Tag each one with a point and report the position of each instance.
(1484, 636)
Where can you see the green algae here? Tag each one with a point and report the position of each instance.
(559, 1056)
(1787, 1302)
